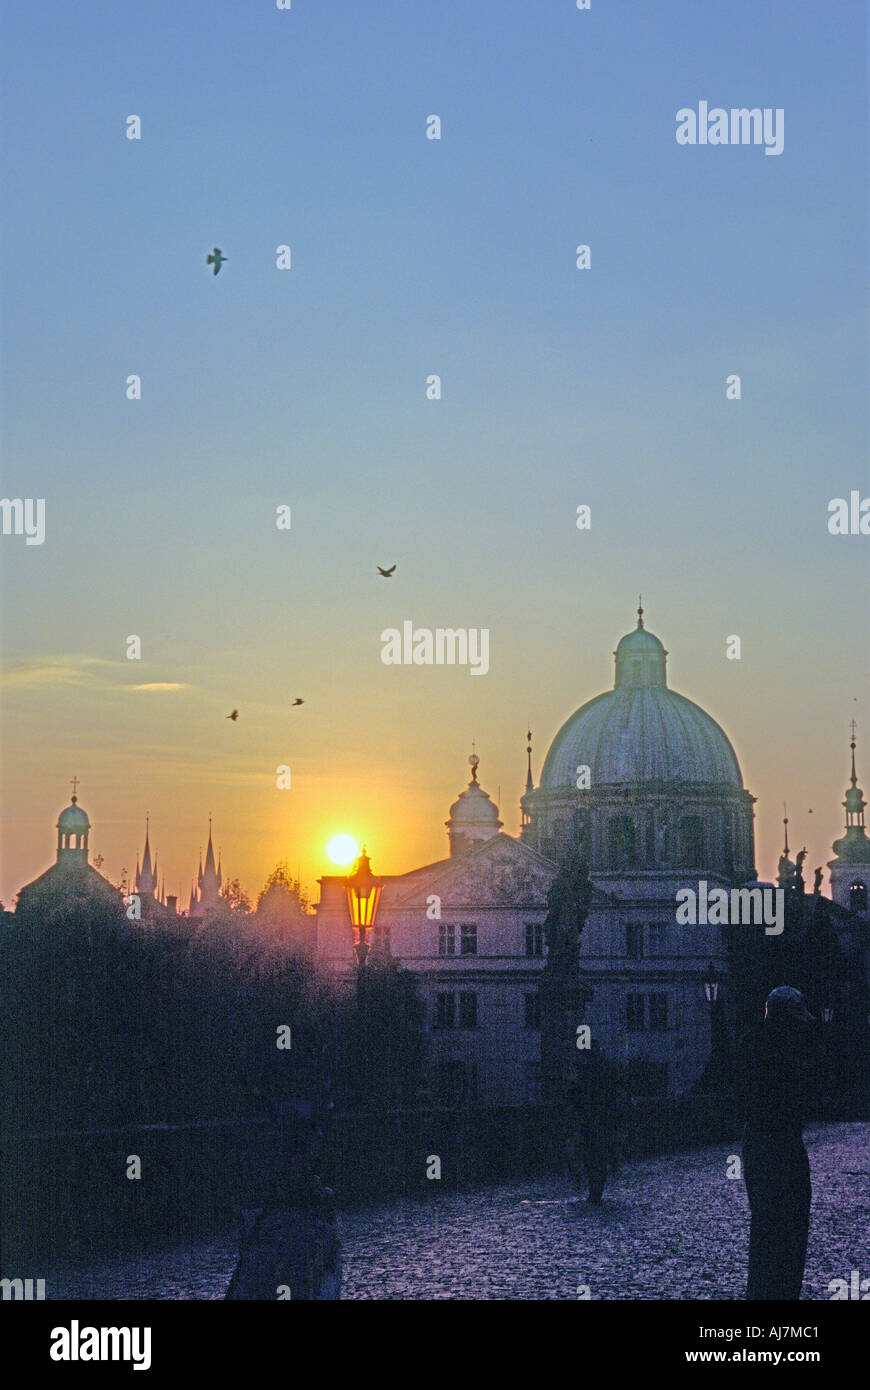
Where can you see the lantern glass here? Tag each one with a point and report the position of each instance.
(363, 894)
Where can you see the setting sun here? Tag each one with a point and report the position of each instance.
(342, 850)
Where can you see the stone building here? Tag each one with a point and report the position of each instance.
(71, 876)
(652, 786)
(471, 928)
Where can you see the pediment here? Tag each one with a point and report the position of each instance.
(502, 873)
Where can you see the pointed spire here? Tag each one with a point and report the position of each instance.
(530, 786)
(640, 610)
(854, 803)
(210, 878)
(209, 854)
(146, 881)
(854, 778)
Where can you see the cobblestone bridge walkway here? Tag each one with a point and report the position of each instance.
(671, 1227)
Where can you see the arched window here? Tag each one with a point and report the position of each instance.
(691, 842)
(620, 842)
(858, 896)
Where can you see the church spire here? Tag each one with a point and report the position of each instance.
(146, 878)
(850, 871)
(854, 803)
(210, 877)
(530, 786)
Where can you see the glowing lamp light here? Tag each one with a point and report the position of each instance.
(363, 896)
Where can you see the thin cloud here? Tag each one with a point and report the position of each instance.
(51, 671)
(160, 685)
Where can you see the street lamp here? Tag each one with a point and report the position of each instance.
(717, 1073)
(363, 896)
(711, 984)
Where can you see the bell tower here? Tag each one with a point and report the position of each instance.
(73, 828)
(850, 871)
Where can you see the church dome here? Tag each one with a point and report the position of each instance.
(641, 732)
(473, 816)
(474, 805)
(73, 819)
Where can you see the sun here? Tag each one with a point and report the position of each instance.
(343, 850)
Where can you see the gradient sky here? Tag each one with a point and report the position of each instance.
(307, 387)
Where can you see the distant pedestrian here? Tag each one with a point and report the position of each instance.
(776, 1169)
(593, 1150)
(289, 1246)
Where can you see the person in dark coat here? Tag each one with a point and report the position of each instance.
(594, 1111)
(775, 1164)
(289, 1246)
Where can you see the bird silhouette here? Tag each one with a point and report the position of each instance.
(216, 259)
(387, 574)
(297, 701)
(234, 715)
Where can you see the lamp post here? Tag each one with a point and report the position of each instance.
(712, 983)
(363, 896)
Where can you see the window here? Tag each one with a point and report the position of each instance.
(692, 841)
(468, 939)
(634, 1012)
(858, 896)
(534, 938)
(620, 841)
(634, 940)
(656, 938)
(658, 1012)
(532, 1010)
(446, 939)
(445, 1010)
(468, 1009)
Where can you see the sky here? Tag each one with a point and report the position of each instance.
(306, 388)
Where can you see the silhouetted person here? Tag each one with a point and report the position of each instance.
(289, 1246)
(592, 1148)
(775, 1164)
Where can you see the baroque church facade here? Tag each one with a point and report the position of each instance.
(649, 784)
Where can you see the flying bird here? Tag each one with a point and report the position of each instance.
(234, 715)
(387, 574)
(216, 259)
(297, 701)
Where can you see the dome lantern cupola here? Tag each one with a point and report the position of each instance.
(641, 659)
(473, 817)
(72, 832)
